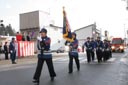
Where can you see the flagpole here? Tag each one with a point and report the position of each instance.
(63, 8)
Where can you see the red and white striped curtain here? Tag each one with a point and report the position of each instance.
(24, 48)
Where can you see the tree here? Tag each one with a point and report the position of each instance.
(9, 30)
(2, 30)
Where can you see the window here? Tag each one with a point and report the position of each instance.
(117, 41)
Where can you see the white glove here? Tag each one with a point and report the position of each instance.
(68, 44)
(102, 49)
(94, 49)
(11, 51)
(39, 38)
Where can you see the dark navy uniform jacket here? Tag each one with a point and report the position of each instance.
(93, 44)
(99, 45)
(106, 45)
(88, 45)
(73, 51)
(12, 47)
(46, 50)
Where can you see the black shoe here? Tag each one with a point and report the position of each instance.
(88, 62)
(35, 81)
(52, 78)
(70, 72)
(14, 63)
(78, 69)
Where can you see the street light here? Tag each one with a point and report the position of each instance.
(1, 20)
(1, 23)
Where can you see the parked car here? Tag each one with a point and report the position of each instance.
(61, 50)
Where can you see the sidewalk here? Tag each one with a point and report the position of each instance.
(29, 60)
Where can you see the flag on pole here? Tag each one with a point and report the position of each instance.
(67, 35)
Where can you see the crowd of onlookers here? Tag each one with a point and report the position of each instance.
(9, 47)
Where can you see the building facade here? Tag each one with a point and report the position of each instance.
(87, 31)
(32, 22)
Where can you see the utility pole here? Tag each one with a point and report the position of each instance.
(125, 35)
(101, 33)
(125, 39)
(126, 3)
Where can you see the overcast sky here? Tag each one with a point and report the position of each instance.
(109, 15)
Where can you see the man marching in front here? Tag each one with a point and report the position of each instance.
(44, 54)
(73, 53)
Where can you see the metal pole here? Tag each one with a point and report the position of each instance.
(101, 33)
(124, 35)
(127, 5)
(124, 30)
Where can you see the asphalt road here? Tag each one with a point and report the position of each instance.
(113, 72)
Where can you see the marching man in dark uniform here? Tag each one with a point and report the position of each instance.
(12, 49)
(88, 46)
(110, 50)
(93, 44)
(105, 51)
(99, 49)
(44, 54)
(6, 51)
(73, 53)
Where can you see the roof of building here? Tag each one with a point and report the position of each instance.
(87, 27)
(51, 25)
(84, 27)
(35, 11)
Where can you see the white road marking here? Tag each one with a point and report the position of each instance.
(61, 60)
(55, 59)
(111, 59)
(64, 59)
(124, 60)
(84, 60)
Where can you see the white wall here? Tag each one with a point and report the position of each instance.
(56, 35)
(84, 33)
(44, 19)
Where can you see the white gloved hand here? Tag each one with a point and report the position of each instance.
(11, 51)
(94, 49)
(102, 49)
(39, 38)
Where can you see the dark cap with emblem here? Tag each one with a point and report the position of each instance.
(88, 37)
(105, 40)
(43, 30)
(98, 37)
